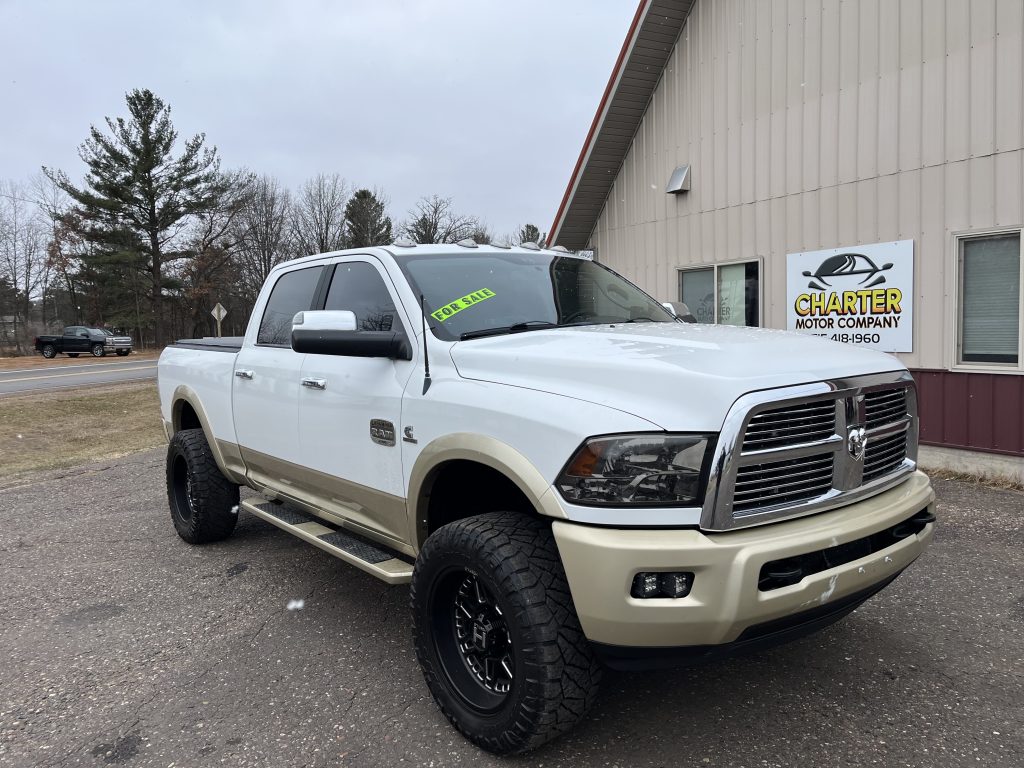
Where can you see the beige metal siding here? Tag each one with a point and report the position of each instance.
(819, 124)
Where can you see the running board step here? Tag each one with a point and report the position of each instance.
(375, 559)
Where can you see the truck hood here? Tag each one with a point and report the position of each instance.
(682, 377)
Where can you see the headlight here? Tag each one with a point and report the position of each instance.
(641, 470)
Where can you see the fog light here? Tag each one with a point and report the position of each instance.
(645, 585)
(673, 585)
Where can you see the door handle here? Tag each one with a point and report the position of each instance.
(243, 374)
(315, 383)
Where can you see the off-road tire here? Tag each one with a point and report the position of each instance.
(49, 351)
(204, 503)
(73, 354)
(98, 350)
(556, 675)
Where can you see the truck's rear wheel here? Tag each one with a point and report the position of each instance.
(204, 503)
(98, 350)
(49, 351)
(496, 633)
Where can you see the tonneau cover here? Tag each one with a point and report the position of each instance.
(212, 343)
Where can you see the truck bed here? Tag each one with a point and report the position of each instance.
(212, 343)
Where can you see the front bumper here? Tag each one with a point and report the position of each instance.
(725, 601)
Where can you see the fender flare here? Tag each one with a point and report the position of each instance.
(227, 455)
(484, 450)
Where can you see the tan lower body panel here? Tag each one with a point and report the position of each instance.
(600, 564)
(378, 514)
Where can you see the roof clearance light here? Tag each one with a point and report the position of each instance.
(530, 246)
(468, 243)
(559, 248)
(404, 242)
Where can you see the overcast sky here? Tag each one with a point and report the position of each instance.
(483, 101)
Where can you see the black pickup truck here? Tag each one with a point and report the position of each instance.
(78, 339)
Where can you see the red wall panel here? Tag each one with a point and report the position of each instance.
(976, 411)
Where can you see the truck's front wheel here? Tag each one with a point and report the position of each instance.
(204, 503)
(496, 633)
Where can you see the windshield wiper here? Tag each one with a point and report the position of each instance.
(526, 325)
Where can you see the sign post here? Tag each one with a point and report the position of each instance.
(863, 294)
(218, 313)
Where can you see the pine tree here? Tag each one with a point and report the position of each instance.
(366, 220)
(138, 197)
(528, 233)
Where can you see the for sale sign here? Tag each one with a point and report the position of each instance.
(861, 295)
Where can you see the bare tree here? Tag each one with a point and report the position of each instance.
(65, 246)
(23, 263)
(263, 233)
(215, 238)
(433, 220)
(482, 235)
(318, 215)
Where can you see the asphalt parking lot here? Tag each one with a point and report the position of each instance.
(121, 645)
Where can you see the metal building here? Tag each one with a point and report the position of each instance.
(738, 141)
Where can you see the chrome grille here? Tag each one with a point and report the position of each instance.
(787, 426)
(782, 482)
(884, 455)
(884, 407)
(798, 450)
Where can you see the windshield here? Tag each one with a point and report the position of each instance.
(508, 292)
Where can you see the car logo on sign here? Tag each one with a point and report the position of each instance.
(856, 442)
(834, 268)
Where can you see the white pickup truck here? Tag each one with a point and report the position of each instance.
(568, 474)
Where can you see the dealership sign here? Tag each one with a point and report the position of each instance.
(861, 295)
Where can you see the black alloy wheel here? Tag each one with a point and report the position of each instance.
(473, 641)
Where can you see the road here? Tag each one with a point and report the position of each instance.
(78, 374)
(124, 646)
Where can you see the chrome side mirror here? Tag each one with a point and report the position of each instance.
(334, 332)
(680, 310)
(325, 320)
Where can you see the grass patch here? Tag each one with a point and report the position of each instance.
(61, 429)
(989, 481)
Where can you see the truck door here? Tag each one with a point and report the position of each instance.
(76, 339)
(265, 385)
(350, 408)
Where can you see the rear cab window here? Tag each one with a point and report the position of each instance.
(293, 292)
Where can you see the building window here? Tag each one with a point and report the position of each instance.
(990, 306)
(727, 294)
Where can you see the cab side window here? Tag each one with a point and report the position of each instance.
(358, 287)
(293, 292)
